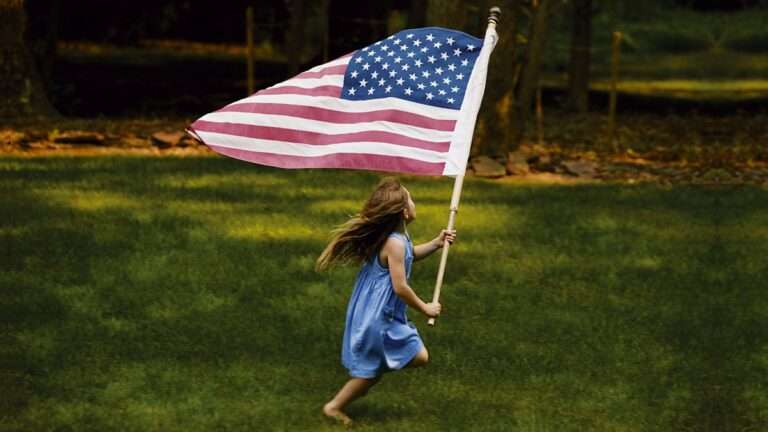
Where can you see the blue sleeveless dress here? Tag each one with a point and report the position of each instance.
(377, 335)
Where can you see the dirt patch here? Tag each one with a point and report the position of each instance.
(74, 151)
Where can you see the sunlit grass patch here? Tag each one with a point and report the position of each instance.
(88, 200)
(271, 227)
(337, 208)
(220, 180)
(741, 89)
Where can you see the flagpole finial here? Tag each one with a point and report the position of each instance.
(495, 15)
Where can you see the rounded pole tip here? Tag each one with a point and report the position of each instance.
(495, 14)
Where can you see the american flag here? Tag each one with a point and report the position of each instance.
(407, 104)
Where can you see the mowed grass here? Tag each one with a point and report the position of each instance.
(178, 294)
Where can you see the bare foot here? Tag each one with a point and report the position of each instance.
(336, 414)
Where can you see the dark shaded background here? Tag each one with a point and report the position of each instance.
(130, 81)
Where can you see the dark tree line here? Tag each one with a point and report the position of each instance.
(314, 31)
(513, 77)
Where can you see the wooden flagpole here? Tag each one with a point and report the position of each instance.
(493, 19)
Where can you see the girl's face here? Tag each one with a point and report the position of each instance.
(409, 212)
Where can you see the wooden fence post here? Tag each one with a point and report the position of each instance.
(539, 116)
(249, 43)
(615, 53)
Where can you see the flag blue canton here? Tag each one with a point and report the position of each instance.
(431, 66)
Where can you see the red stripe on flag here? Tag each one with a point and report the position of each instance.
(333, 91)
(332, 116)
(332, 70)
(338, 160)
(316, 138)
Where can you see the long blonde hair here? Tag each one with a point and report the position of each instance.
(365, 233)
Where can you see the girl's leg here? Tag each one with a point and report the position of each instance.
(353, 389)
(421, 359)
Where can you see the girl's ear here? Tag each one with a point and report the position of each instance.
(405, 214)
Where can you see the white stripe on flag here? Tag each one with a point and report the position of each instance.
(301, 124)
(293, 149)
(355, 105)
(334, 80)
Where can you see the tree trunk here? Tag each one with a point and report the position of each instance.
(578, 71)
(50, 50)
(42, 28)
(324, 14)
(531, 68)
(21, 90)
(446, 13)
(295, 40)
(497, 112)
(417, 14)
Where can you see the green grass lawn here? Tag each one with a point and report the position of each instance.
(177, 294)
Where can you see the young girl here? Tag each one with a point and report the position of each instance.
(377, 336)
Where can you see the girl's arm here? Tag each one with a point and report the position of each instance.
(394, 249)
(426, 249)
